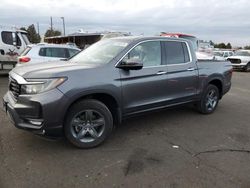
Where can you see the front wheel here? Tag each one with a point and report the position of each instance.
(247, 68)
(88, 123)
(209, 100)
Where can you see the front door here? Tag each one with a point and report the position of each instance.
(145, 88)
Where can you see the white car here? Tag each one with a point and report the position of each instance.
(46, 53)
(222, 55)
(241, 60)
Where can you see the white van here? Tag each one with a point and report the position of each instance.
(12, 43)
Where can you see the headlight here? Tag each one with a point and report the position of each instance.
(35, 86)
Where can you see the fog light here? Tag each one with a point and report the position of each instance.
(38, 123)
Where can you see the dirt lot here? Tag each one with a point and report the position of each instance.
(171, 148)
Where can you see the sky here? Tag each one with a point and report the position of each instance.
(219, 21)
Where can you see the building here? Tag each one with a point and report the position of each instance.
(83, 39)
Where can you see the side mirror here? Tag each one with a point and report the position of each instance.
(130, 64)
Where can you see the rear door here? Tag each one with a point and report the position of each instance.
(146, 88)
(182, 72)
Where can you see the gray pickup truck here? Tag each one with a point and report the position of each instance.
(84, 97)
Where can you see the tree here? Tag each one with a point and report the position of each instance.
(220, 45)
(223, 45)
(52, 33)
(33, 36)
(247, 47)
(229, 46)
(211, 43)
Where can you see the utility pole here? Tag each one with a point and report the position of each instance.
(51, 24)
(63, 26)
(38, 30)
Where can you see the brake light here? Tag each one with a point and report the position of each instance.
(24, 59)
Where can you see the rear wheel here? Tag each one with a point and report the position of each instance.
(88, 123)
(209, 100)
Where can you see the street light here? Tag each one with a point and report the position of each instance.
(63, 26)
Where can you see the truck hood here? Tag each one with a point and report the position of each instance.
(242, 58)
(49, 69)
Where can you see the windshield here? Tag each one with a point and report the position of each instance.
(25, 38)
(218, 54)
(242, 53)
(100, 53)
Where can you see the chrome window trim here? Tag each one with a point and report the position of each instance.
(160, 40)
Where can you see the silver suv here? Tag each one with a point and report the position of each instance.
(46, 53)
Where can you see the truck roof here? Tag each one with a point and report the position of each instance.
(142, 38)
(12, 30)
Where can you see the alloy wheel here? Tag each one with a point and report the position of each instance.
(87, 126)
(211, 100)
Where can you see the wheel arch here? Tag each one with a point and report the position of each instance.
(218, 83)
(106, 98)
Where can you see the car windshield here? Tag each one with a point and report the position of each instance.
(242, 53)
(218, 54)
(101, 52)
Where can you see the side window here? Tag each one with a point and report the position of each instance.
(177, 52)
(148, 52)
(7, 37)
(226, 54)
(72, 52)
(42, 52)
(53, 52)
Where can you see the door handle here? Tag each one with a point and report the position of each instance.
(191, 69)
(161, 73)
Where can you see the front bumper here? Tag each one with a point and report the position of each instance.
(42, 114)
(239, 66)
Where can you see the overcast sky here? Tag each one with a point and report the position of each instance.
(220, 21)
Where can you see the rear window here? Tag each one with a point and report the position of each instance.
(176, 52)
(53, 52)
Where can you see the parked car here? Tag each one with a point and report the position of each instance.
(222, 55)
(241, 60)
(12, 44)
(110, 81)
(43, 52)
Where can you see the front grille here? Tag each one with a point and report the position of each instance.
(14, 87)
(235, 61)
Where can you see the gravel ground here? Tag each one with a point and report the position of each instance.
(172, 148)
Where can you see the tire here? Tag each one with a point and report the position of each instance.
(247, 67)
(88, 123)
(206, 105)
